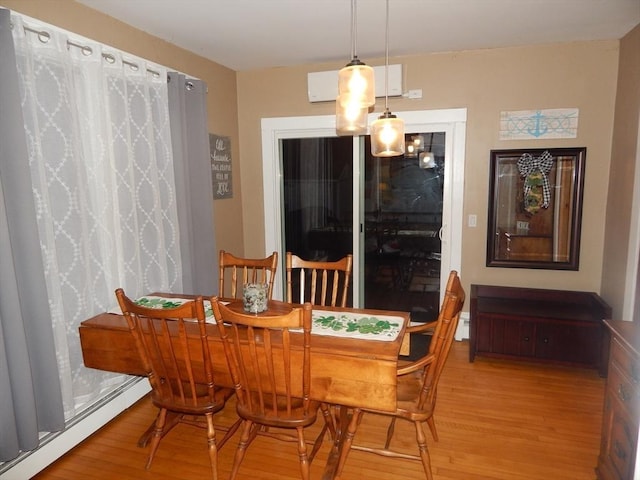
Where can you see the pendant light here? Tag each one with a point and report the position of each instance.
(351, 118)
(387, 132)
(356, 80)
(355, 90)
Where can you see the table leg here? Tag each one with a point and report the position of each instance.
(342, 417)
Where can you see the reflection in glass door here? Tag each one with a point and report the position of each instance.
(403, 201)
(318, 198)
(401, 215)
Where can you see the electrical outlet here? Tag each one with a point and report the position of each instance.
(473, 220)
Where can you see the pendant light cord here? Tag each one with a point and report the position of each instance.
(354, 26)
(386, 61)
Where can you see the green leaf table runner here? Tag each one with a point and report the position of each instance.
(356, 325)
(325, 322)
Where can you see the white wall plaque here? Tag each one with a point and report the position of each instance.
(534, 124)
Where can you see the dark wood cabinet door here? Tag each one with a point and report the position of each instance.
(502, 335)
(519, 338)
(577, 343)
(484, 337)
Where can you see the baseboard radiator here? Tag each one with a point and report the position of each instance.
(54, 445)
(462, 331)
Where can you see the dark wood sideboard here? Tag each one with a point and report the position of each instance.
(558, 326)
(621, 413)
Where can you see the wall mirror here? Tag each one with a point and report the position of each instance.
(535, 208)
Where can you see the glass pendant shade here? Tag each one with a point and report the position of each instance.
(387, 136)
(357, 80)
(387, 132)
(351, 118)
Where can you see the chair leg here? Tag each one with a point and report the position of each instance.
(302, 454)
(432, 426)
(390, 430)
(421, 439)
(157, 435)
(248, 434)
(232, 429)
(172, 420)
(347, 441)
(213, 449)
(143, 441)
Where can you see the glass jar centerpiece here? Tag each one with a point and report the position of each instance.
(254, 297)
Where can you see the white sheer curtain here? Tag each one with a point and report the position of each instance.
(100, 155)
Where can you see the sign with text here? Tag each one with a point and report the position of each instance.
(220, 152)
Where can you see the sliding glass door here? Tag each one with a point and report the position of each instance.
(326, 196)
(399, 216)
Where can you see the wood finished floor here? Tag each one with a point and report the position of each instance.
(497, 420)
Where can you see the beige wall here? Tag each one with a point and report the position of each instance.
(221, 100)
(579, 75)
(624, 156)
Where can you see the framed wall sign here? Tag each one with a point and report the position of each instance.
(535, 208)
(220, 152)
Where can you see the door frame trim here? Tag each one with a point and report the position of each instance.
(451, 121)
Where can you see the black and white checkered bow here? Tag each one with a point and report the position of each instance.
(528, 164)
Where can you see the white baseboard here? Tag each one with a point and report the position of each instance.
(53, 446)
(462, 332)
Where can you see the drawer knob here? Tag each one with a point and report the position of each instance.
(623, 393)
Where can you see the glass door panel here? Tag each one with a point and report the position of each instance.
(403, 201)
(318, 198)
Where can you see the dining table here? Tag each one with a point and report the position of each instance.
(354, 353)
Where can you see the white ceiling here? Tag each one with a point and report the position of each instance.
(253, 34)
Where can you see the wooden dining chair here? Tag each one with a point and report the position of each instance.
(173, 346)
(417, 387)
(237, 271)
(270, 367)
(321, 283)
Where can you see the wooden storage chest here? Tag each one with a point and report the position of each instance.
(558, 326)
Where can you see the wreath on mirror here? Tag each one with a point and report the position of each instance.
(534, 170)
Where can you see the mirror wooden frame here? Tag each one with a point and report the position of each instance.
(535, 208)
